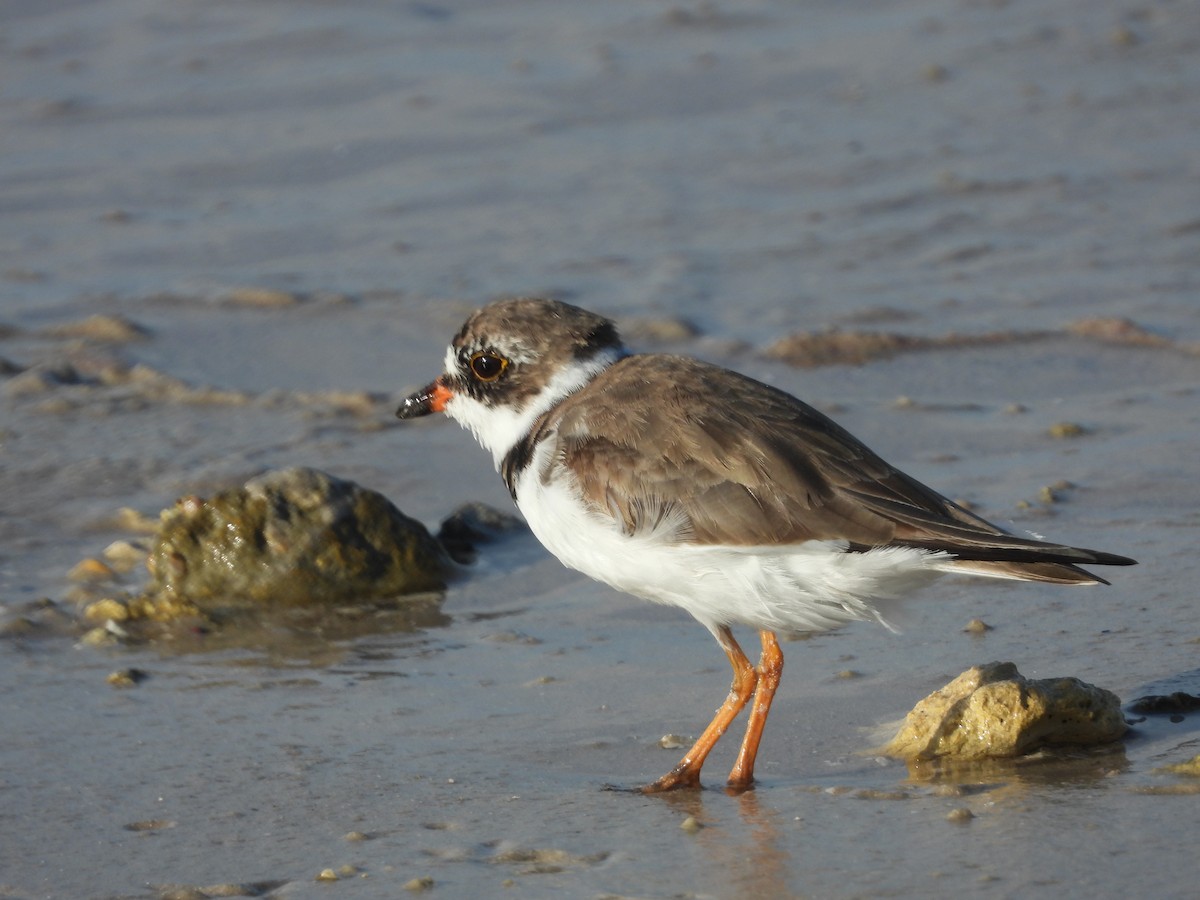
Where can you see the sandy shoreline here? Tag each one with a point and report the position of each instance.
(373, 172)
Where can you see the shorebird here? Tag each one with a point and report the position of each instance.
(684, 483)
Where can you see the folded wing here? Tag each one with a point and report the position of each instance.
(757, 467)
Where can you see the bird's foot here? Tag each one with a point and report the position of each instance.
(735, 787)
(672, 781)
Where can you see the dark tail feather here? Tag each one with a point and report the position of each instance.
(1053, 564)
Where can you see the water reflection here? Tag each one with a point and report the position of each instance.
(1049, 768)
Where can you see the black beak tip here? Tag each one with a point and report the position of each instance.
(414, 407)
(427, 400)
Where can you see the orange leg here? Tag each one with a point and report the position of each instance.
(745, 679)
(770, 668)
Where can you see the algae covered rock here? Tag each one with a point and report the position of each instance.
(473, 524)
(994, 711)
(291, 537)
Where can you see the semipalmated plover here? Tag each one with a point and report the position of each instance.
(684, 483)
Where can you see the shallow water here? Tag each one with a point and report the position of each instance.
(915, 166)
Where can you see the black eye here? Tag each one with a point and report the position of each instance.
(488, 365)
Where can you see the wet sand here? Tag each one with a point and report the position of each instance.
(285, 209)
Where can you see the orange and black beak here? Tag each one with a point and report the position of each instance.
(430, 399)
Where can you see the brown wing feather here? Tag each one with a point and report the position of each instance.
(750, 465)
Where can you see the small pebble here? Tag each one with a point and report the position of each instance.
(1062, 430)
(124, 556)
(97, 637)
(106, 609)
(934, 72)
(132, 520)
(261, 298)
(91, 570)
(126, 678)
(1123, 36)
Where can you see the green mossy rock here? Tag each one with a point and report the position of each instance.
(292, 537)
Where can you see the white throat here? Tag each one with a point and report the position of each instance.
(499, 428)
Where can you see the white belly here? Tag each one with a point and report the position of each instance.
(793, 588)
